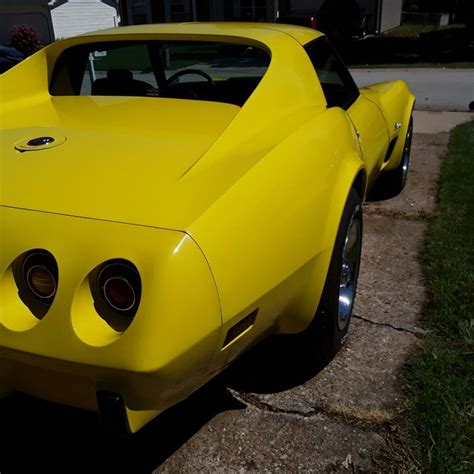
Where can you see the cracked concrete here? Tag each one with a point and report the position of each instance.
(318, 444)
(416, 332)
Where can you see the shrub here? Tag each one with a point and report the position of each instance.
(25, 38)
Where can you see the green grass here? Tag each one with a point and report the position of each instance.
(454, 65)
(414, 46)
(414, 31)
(438, 433)
(136, 57)
(133, 57)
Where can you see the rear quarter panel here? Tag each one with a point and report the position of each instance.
(269, 238)
(396, 102)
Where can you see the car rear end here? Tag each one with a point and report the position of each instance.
(77, 335)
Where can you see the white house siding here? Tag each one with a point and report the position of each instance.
(81, 16)
(391, 15)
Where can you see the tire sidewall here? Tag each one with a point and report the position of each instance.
(329, 337)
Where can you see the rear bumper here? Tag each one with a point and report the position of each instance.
(124, 400)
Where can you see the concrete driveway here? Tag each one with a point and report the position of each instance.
(271, 411)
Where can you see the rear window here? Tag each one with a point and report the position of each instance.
(194, 70)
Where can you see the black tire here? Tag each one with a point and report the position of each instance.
(391, 183)
(326, 334)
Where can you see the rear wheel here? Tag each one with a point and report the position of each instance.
(391, 183)
(329, 327)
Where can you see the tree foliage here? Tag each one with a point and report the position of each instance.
(25, 38)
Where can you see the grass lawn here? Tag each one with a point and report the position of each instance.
(414, 31)
(136, 57)
(455, 65)
(438, 430)
(414, 46)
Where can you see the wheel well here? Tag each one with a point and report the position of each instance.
(359, 184)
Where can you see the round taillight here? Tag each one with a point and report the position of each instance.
(119, 294)
(40, 274)
(120, 287)
(41, 282)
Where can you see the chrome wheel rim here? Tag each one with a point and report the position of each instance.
(349, 271)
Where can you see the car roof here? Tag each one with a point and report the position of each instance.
(262, 32)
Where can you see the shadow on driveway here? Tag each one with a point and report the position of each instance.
(43, 437)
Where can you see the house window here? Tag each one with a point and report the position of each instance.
(181, 10)
(138, 12)
(245, 10)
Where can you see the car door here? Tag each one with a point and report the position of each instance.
(340, 90)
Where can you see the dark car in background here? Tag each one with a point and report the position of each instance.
(9, 57)
(340, 20)
(300, 18)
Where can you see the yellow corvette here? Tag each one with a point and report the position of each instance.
(170, 195)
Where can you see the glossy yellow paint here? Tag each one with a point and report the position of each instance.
(224, 210)
(396, 101)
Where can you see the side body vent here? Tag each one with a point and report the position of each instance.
(391, 146)
(235, 331)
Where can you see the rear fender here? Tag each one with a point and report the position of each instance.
(351, 174)
(269, 238)
(396, 102)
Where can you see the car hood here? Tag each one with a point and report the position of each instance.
(113, 159)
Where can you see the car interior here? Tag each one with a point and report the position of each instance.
(189, 70)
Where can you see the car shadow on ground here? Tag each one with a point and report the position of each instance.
(43, 437)
(38, 436)
(275, 365)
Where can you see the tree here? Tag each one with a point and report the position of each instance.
(25, 38)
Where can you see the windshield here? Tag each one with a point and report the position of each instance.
(194, 70)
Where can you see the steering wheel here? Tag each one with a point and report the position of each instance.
(183, 72)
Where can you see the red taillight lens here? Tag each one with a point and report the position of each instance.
(119, 293)
(119, 285)
(41, 282)
(40, 276)
(313, 23)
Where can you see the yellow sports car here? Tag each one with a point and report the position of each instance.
(170, 195)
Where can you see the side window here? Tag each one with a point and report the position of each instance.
(336, 81)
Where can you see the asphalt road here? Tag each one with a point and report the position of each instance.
(435, 89)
